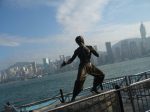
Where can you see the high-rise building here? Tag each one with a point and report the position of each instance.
(62, 57)
(4, 76)
(93, 58)
(144, 41)
(52, 66)
(34, 67)
(45, 61)
(125, 53)
(46, 64)
(117, 54)
(133, 49)
(102, 58)
(143, 47)
(110, 56)
(143, 31)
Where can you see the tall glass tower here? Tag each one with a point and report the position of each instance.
(143, 42)
(109, 52)
(143, 31)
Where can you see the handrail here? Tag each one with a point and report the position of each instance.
(140, 82)
(114, 80)
(94, 96)
(107, 81)
(142, 72)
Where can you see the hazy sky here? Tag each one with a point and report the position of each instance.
(33, 29)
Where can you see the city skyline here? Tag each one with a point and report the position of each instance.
(33, 30)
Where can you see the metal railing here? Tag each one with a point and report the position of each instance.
(101, 102)
(109, 84)
(138, 96)
(125, 80)
(137, 100)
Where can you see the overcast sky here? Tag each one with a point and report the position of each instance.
(33, 29)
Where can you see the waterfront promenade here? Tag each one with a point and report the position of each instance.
(122, 94)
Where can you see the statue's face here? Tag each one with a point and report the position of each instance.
(79, 41)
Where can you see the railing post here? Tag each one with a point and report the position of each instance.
(129, 79)
(146, 75)
(120, 98)
(127, 82)
(101, 85)
(62, 96)
(131, 98)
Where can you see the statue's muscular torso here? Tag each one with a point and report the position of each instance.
(84, 54)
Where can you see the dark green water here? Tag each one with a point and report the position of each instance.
(48, 86)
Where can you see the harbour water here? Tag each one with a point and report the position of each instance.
(27, 91)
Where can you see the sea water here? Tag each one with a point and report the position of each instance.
(22, 92)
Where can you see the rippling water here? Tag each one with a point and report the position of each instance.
(31, 90)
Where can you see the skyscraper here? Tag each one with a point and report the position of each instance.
(143, 36)
(93, 58)
(109, 52)
(133, 49)
(34, 67)
(125, 53)
(46, 64)
(117, 54)
(62, 57)
(45, 61)
(143, 31)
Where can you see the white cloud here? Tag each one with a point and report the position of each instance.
(84, 17)
(116, 32)
(80, 16)
(14, 40)
(6, 40)
(10, 43)
(99, 36)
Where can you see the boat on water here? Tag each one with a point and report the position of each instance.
(121, 94)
